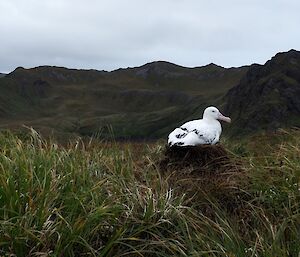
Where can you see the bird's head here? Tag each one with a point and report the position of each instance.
(213, 113)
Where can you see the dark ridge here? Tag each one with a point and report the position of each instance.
(151, 100)
(211, 65)
(267, 97)
(55, 75)
(161, 64)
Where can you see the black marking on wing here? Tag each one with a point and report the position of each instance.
(180, 135)
(213, 140)
(184, 129)
(179, 143)
(209, 141)
(196, 132)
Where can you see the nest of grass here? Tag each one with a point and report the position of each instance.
(195, 158)
(204, 172)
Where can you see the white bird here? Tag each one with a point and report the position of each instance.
(206, 131)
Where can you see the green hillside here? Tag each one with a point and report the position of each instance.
(147, 102)
(139, 102)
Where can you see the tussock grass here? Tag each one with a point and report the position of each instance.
(105, 199)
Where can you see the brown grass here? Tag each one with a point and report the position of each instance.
(204, 170)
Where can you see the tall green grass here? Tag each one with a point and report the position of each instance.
(108, 199)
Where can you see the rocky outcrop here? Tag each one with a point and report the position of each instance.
(268, 96)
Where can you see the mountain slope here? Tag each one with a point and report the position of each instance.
(268, 96)
(138, 102)
(150, 100)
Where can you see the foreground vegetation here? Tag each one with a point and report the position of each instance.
(109, 199)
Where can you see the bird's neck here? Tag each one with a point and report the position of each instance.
(210, 120)
(213, 122)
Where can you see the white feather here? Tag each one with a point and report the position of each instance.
(198, 132)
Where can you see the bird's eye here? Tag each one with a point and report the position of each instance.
(213, 111)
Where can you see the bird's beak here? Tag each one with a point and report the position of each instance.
(224, 118)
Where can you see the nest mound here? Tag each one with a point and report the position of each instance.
(204, 170)
(195, 158)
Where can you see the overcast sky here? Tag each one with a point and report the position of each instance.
(109, 34)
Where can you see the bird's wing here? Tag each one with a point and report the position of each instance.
(190, 125)
(181, 137)
(195, 132)
(176, 135)
(206, 133)
(206, 137)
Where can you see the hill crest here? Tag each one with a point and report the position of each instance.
(267, 97)
(150, 100)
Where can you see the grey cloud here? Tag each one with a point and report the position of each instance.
(109, 34)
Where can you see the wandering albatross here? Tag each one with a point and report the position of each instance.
(205, 131)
